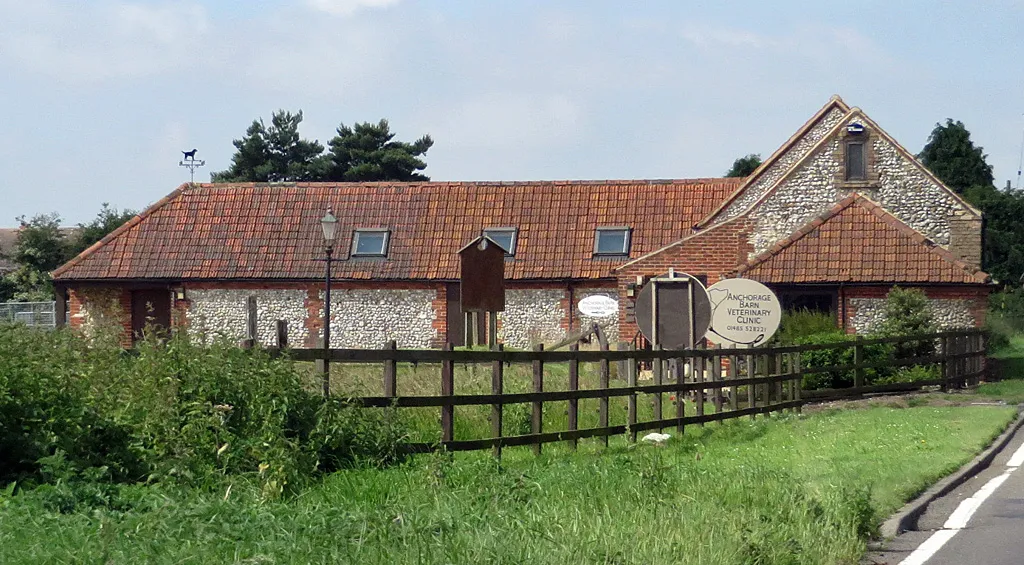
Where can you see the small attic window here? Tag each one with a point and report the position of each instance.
(370, 243)
(611, 241)
(855, 161)
(505, 237)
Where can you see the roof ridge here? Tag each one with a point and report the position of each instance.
(92, 249)
(550, 182)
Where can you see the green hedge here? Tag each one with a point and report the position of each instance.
(174, 411)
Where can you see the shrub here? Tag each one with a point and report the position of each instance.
(834, 357)
(173, 411)
(906, 312)
(798, 324)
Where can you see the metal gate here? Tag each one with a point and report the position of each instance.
(35, 314)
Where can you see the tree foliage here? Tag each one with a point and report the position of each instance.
(42, 246)
(275, 153)
(954, 158)
(364, 152)
(743, 166)
(368, 152)
(107, 220)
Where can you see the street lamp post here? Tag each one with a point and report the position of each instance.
(329, 225)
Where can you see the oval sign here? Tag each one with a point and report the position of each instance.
(743, 311)
(598, 306)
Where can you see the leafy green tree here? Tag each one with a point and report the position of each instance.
(954, 158)
(905, 312)
(275, 153)
(743, 166)
(107, 220)
(368, 152)
(40, 248)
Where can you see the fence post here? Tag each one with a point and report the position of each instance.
(777, 385)
(752, 388)
(391, 371)
(251, 333)
(282, 334)
(698, 377)
(574, 385)
(605, 377)
(497, 388)
(731, 372)
(944, 363)
(798, 382)
(679, 368)
(537, 422)
(716, 376)
(657, 367)
(858, 359)
(447, 389)
(984, 356)
(631, 371)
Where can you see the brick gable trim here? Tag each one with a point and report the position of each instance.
(835, 102)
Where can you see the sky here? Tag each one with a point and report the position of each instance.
(100, 97)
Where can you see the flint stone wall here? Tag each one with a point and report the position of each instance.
(224, 313)
(903, 190)
(779, 168)
(532, 316)
(369, 318)
(948, 313)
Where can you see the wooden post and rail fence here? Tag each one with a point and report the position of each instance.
(702, 385)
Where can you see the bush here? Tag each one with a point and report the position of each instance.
(798, 324)
(173, 411)
(840, 356)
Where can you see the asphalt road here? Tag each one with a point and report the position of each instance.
(962, 530)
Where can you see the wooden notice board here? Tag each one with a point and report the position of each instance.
(482, 287)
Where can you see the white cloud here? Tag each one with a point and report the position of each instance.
(345, 8)
(94, 42)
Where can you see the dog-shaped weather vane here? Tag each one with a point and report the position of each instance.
(189, 161)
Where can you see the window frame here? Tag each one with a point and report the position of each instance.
(863, 172)
(515, 237)
(627, 240)
(386, 244)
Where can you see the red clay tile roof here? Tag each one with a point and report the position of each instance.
(266, 232)
(858, 241)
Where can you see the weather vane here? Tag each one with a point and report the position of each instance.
(190, 161)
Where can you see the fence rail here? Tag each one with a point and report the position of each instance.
(704, 385)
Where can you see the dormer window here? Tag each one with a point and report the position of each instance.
(505, 237)
(370, 243)
(855, 169)
(611, 241)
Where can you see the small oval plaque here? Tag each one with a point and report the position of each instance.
(599, 306)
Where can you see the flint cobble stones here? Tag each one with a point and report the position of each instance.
(948, 313)
(531, 316)
(369, 318)
(224, 313)
(779, 168)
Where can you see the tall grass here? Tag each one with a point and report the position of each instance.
(784, 491)
(74, 408)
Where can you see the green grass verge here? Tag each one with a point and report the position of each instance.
(783, 491)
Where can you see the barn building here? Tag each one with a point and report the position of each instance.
(832, 220)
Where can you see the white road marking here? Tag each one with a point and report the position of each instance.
(929, 547)
(962, 515)
(959, 518)
(1018, 458)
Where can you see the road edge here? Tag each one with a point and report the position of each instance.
(906, 518)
